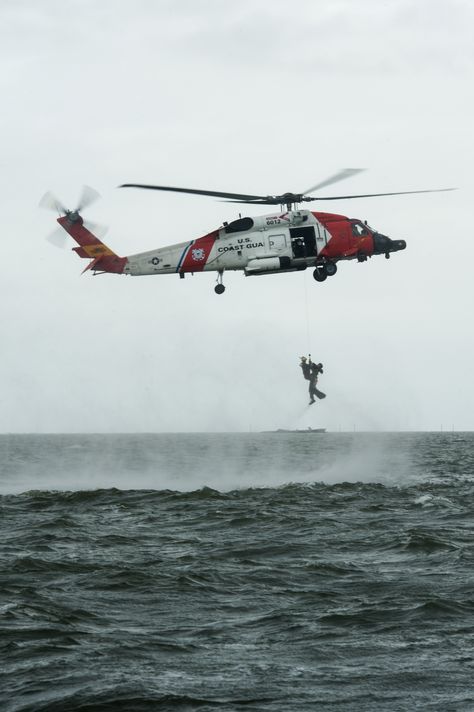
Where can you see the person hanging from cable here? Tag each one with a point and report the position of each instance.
(306, 367)
(316, 370)
(311, 373)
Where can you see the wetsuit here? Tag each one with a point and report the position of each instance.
(306, 368)
(315, 370)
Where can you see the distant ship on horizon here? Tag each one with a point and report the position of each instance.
(306, 430)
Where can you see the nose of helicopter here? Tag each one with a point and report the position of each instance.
(383, 244)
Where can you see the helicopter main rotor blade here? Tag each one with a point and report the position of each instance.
(194, 191)
(308, 198)
(284, 198)
(279, 200)
(340, 175)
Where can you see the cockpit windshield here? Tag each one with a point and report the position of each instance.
(360, 229)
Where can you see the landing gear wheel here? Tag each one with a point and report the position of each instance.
(219, 288)
(331, 268)
(320, 274)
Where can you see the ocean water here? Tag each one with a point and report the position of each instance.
(262, 572)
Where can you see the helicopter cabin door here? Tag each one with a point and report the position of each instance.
(303, 241)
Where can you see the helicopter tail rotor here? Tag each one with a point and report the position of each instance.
(50, 202)
(85, 234)
(88, 196)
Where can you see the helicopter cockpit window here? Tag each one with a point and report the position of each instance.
(359, 229)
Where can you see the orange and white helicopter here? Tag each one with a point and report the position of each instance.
(286, 240)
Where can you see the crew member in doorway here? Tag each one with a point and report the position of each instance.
(298, 247)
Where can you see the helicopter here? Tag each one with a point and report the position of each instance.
(289, 239)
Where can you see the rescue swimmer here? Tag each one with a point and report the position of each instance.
(311, 373)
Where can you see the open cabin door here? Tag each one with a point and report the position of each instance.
(303, 241)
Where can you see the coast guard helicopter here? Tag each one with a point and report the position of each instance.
(287, 240)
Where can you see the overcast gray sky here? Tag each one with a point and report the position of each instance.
(256, 96)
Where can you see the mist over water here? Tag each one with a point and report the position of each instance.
(256, 571)
(188, 462)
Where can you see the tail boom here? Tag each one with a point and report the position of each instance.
(103, 259)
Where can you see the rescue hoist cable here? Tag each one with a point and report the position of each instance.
(308, 335)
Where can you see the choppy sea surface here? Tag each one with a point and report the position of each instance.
(265, 571)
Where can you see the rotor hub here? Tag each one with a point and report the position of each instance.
(73, 216)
